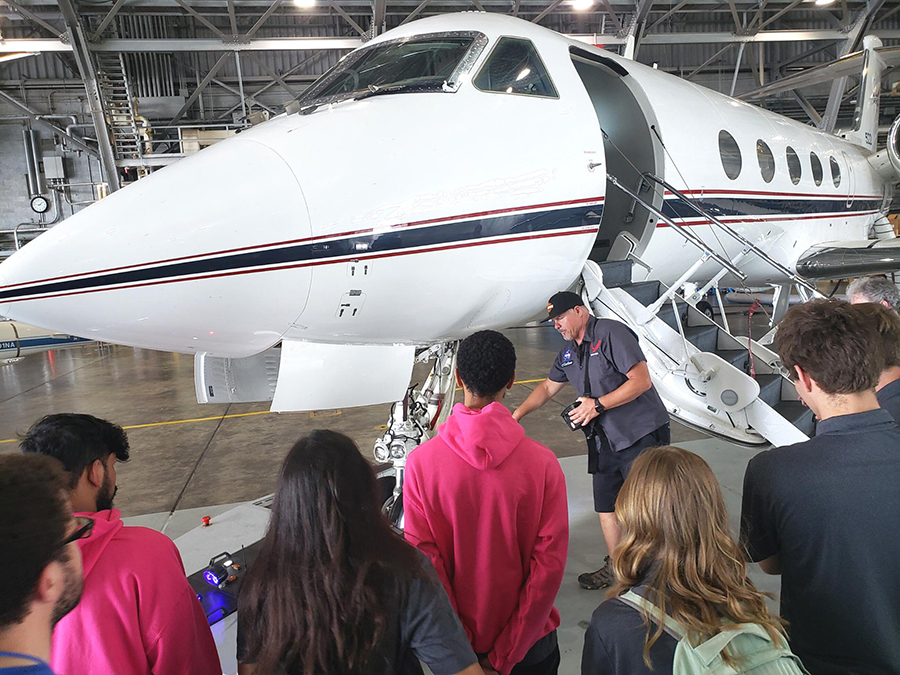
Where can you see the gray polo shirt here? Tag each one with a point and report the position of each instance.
(609, 350)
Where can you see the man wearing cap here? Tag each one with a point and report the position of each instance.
(620, 411)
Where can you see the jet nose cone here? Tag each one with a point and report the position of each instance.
(165, 262)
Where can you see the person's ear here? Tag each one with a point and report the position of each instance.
(50, 584)
(95, 473)
(459, 382)
(886, 304)
(803, 382)
(512, 381)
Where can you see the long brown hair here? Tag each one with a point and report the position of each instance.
(321, 595)
(675, 538)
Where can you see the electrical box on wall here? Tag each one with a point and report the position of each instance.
(54, 167)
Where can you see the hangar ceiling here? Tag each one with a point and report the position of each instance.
(77, 67)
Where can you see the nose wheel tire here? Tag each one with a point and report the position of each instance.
(706, 308)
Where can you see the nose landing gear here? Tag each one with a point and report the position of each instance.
(412, 422)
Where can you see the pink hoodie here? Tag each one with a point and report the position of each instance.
(138, 615)
(488, 506)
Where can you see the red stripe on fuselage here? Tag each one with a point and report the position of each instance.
(763, 193)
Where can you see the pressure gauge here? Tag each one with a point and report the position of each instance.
(39, 204)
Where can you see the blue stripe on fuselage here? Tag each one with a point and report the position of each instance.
(739, 205)
(351, 246)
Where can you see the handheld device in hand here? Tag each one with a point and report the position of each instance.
(568, 420)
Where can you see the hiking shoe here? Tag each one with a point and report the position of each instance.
(602, 578)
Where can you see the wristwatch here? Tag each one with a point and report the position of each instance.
(599, 406)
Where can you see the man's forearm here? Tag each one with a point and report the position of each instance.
(535, 400)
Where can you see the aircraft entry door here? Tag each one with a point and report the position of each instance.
(630, 151)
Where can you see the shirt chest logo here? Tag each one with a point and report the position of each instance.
(567, 358)
(595, 348)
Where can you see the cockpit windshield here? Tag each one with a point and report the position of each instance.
(420, 63)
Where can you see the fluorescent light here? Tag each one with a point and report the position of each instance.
(822, 3)
(15, 55)
(525, 73)
(583, 5)
(305, 3)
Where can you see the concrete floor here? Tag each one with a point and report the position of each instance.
(187, 458)
(187, 455)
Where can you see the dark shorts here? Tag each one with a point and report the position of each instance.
(611, 468)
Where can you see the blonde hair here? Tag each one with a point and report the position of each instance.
(675, 538)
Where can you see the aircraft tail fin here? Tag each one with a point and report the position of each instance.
(865, 121)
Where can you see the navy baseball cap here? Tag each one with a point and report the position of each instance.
(562, 302)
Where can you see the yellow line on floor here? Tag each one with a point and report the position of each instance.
(221, 417)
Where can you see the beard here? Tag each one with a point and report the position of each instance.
(107, 493)
(71, 593)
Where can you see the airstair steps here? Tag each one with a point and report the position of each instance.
(705, 336)
(799, 415)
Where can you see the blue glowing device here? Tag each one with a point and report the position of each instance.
(214, 577)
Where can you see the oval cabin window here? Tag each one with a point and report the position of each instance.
(730, 154)
(835, 172)
(793, 162)
(816, 166)
(766, 160)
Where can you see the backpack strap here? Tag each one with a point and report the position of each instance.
(707, 651)
(670, 625)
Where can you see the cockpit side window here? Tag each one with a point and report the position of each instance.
(515, 67)
(431, 62)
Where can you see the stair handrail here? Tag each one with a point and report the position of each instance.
(733, 233)
(683, 231)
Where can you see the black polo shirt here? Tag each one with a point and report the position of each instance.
(609, 350)
(830, 507)
(889, 399)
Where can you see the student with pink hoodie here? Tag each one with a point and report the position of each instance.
(488, 506)
(138, 615)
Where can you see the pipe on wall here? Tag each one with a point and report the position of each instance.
(36, 155)
(30, 166)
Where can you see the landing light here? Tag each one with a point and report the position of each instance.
(583, 5)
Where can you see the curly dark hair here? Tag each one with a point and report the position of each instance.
(486, 362)
(77, 441)
(833, 342)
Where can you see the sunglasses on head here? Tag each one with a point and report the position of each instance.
(83, 528)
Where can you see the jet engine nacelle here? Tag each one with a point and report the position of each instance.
(887, 161)
(893, 147)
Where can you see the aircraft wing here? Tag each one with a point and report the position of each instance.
(846, 259)
(844, 67)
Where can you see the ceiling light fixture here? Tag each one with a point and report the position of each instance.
(822, 3)
(582, 5)
(305, 4)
